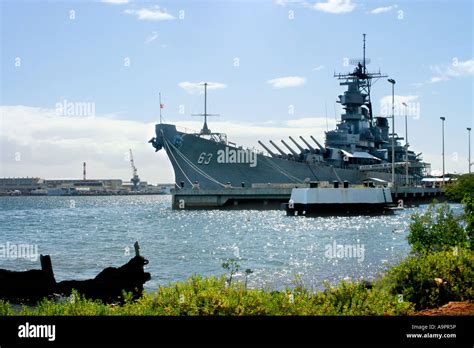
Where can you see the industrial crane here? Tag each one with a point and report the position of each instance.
(135, 178)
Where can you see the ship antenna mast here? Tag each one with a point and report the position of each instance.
(205, 104)
(364, 55)
(205, 129)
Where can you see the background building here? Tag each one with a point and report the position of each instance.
(55, 187)
(24, 185)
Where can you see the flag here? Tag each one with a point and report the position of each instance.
(162, 106)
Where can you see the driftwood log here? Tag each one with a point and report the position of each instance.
(29, 285)
(108, 285)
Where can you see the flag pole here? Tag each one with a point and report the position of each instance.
(160, 107)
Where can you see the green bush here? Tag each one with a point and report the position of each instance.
(434, 279)
(349, 298)
(457, 190)
(74, 305)
(436, 230)
(5, 308)
(468, 202)
(214, 296)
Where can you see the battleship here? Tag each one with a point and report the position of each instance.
(358, 151)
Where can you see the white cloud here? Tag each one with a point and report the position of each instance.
(319, 67)
(435, 79)
(335, 6)
(329, 6)
(288, 81)
(379, 10)
(53, 146)
(152, 37)
(289, 2)
(115, 2)
(453, 164)
(458, 68)
(399, 99)
(312, 122)
(417, 84)
(198, 87)
(151, 14)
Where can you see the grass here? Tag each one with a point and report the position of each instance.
(214, 296)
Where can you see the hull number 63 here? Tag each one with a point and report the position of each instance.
(204, 158)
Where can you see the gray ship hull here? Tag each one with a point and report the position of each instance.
(195, 159)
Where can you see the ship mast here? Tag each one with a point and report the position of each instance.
(365, 70)
(205, 129)
(363, 78)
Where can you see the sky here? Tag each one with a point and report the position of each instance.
(79, 80)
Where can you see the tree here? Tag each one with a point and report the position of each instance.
(233, 267)
(457, 190)
(468, 202)
(436, 230)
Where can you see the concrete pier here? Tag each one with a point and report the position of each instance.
(417, 194)
(230, 198)
(272, 196)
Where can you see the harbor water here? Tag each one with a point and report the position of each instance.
(83, 235)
